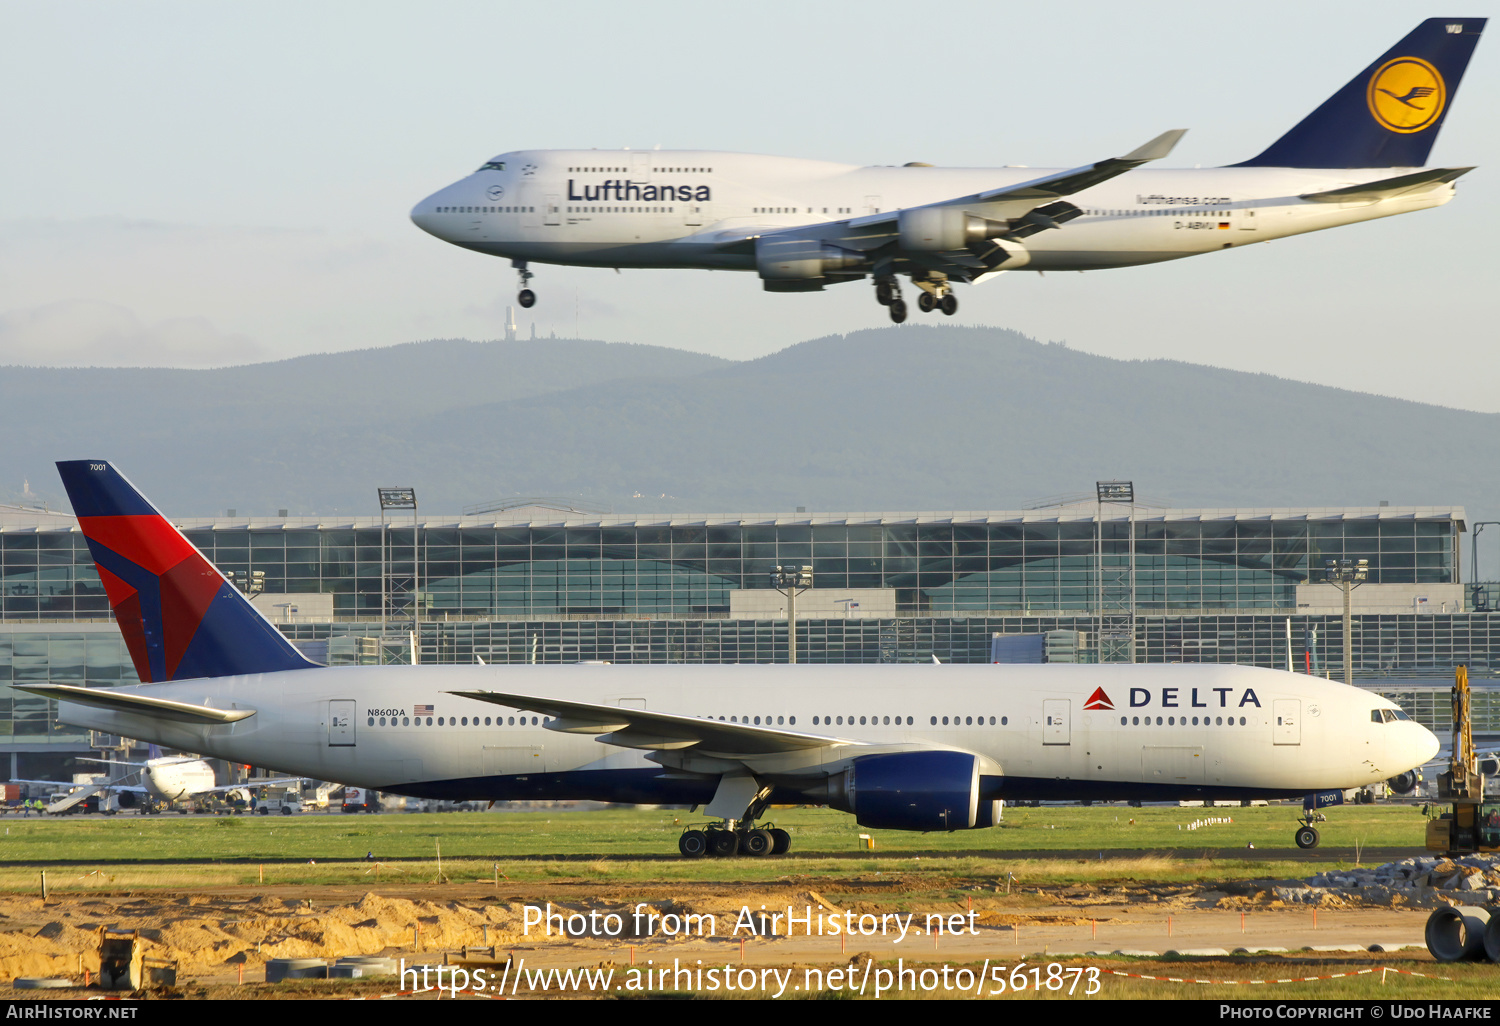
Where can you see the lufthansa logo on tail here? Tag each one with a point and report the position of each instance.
(1406, 95)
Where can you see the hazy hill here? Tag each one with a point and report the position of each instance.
(209, 439)
(910, 418)
(933, 418)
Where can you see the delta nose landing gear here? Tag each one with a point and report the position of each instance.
(1307, 835)
(525, 297)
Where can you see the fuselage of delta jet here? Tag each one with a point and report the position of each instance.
(669, 734)
(914, 747)
(802, 225)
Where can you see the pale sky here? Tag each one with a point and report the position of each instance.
(191, 184)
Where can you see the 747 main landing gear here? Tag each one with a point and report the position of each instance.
(935, 294)
(888, 294)
(525, 297)
(724, 840)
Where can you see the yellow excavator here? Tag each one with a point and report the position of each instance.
(1474, 824)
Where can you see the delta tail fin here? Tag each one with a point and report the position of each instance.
(1390, 113)
(180, 618)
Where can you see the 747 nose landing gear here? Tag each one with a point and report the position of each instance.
(525, 297)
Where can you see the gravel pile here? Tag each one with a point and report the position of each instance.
(1427, 881)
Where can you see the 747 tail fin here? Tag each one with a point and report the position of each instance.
(179, 616)
(1389, 114)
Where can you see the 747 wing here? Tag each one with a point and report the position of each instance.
(966, 238)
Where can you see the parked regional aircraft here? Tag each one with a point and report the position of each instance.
(902, 747)
(162, 779)
(805, 224)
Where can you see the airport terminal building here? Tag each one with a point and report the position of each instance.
(1089, 580)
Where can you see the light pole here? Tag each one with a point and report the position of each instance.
(399, 499)
(1114, 627)
(1481, 604)
(1347, 574)
(791, 581)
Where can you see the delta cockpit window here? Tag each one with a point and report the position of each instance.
(494, 165)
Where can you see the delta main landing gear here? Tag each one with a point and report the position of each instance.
(525, 297)
(737, 836)
(726, 839)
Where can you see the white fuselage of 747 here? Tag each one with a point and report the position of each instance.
(803, 225)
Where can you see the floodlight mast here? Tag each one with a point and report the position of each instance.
(791, 581)
(251, 584)
(1114, 632)
(1480, 601)
(399, 498)
(1347, 574)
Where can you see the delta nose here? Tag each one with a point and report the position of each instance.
(1408, 747)
(1424, 745)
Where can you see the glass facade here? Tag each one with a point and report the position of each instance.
(92, 655)
(1045, 561)
(1384, 645)
(1210, 586)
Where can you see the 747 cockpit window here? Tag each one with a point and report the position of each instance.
(494, 165)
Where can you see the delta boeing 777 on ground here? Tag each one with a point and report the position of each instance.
(902, 747)
(805, 224)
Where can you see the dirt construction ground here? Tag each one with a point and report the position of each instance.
(221, 938)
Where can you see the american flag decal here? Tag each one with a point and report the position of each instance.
(421, 710)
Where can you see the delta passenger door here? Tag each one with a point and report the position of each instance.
(1057, 721)
(1286, 721)
(341, 723)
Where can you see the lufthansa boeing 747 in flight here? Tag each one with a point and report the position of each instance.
(805, 224)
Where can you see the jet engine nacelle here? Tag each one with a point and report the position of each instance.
(1403, 783)
(802, 263)
(939, 229)
(128, 799)
(915, 791)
